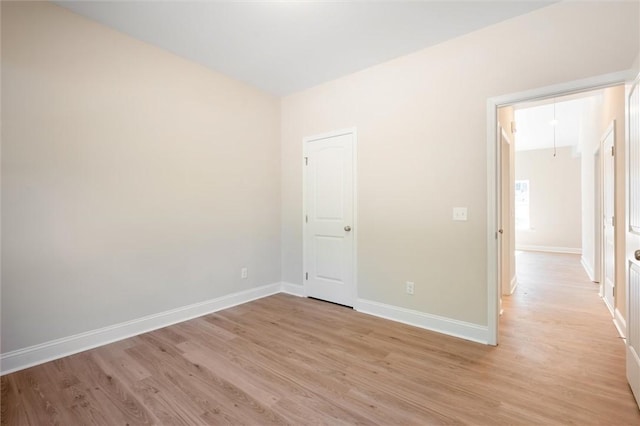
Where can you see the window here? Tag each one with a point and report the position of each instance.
(522, 204)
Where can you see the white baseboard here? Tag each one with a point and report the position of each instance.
(462, 329)
(293, 289)
(550, 249)
(620, 323)
(513, 284)
(606, 303)
(512, 287)
(588, 269)
(54, 349)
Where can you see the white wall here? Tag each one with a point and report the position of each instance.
(133, 181)
(421, 123)
(555, 199)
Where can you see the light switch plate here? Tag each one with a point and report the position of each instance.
(459, 213)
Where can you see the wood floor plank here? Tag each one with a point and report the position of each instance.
(290, 360)
(110, 391)
(247, 362)
(14, 413)
(209, 389)
(228, 372)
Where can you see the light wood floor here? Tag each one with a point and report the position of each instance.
(289, 360)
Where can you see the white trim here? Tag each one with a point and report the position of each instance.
(550, 249)
(355, 226)
(58, 348)
(349, 131)
(493, 290)
(293, 289)
(587, 269)
(494, 293)
(566, 88)
(620, 323)
(606, 303)
(451, 327)
(513, 284)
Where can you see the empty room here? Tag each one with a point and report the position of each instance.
(294, 213)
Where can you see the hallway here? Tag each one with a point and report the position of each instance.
(562, 331)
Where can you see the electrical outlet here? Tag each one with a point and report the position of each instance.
(460, 213)
(244, 273)
(409, 287)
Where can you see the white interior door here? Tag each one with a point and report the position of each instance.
(633, 241)
(597, 214)
(329, 228)
(608, 241)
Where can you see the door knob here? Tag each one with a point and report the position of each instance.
(347, 228)
(637, 254)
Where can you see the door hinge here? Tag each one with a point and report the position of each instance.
(306, 275)
(306, 218)
(613, 221)
(613, 151)
(306, 161)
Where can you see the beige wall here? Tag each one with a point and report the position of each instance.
(421, 123)
(136, 182)
(589, 135)
(555, 201)
(599, 115)
(133, 181)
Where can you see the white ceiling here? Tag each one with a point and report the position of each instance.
(534, 130)
(286, 46)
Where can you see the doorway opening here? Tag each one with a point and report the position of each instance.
(498, 231)
(546, 183)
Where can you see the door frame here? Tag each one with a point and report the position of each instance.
(610, 130)
(354, 227)
(500, 133)
(567, 88)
